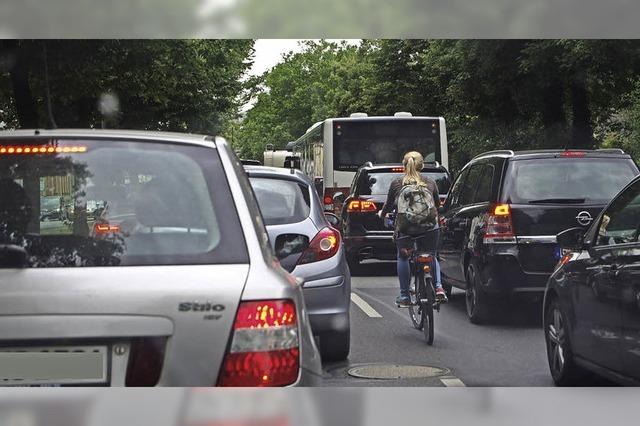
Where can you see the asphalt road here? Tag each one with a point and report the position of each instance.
(508, 352)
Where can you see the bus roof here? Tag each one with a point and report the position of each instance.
(373, 118)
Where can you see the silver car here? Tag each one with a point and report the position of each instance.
(308, 247)
(171, 282)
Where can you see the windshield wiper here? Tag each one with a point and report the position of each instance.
(13, 256)
(558, 201)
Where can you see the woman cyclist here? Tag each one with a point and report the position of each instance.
(413, 163)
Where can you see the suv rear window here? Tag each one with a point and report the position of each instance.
(586, 180)
(75, 203)
(281, 201)
(378, 182)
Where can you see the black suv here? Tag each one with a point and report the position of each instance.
(364, 234)
(504, 210)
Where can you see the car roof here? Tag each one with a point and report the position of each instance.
(276, 172)
(550, 153)
(139, 135)
(428, 167)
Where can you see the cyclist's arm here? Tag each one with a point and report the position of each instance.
(391, 198)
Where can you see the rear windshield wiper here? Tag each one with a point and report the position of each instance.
(558, 201)
(13, 256)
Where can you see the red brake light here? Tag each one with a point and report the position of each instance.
(398, 169)
(41, 149)
(361, 206)
(328, 199)
(324, 245)
(573, 154)
(105, 228)
(499, 225)
(265, 346)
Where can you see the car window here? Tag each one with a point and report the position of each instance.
(620, 223)
(452, 199)
(281, 201)
(378, 183)
(483, 192)
(468, 191)
(107, 203)
(593, 180)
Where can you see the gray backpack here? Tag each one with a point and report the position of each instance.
(417, 212)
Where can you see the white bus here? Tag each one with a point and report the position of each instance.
(331, 151)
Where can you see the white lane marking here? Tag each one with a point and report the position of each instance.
(452, 382)
(366, 308)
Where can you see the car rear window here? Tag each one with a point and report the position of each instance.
(281, 201)
(586, 180)
(75, 203)
(378, 182)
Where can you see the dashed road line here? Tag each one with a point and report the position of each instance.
(366, 308)
(452, 382)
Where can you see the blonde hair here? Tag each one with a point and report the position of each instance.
(413, 163)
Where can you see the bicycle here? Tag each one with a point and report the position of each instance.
(421, 288)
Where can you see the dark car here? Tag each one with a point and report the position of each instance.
(364, 233)
(592, 301)
(504, 210)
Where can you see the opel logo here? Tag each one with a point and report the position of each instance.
(584, 218)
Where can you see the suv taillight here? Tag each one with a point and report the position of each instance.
(361, 206)
(265, 346)
(323, 246)
(499, 225)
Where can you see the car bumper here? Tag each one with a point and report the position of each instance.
(327, 302)
(503, 273)
(374, 246)
(327, 293)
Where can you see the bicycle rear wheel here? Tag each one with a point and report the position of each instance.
(416, 311)
(427, 309)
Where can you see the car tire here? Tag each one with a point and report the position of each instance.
(354, 265)
(477, 300)
(562, 366)
(335, 346)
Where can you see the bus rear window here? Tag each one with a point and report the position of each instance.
(74, 203)
(383, 141)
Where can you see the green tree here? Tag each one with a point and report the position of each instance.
(181, 85)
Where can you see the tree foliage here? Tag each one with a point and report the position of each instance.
(180, 85)
(519, 94)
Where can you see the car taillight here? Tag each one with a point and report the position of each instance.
(499, 225)
(361, 206)
(105, 228)
(323, 246)
(265, 346)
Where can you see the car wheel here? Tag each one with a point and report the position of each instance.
(476, 298)
(563, 369)
(354, 265)
(334, 346)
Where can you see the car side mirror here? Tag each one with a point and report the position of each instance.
(13, 256)
(332, 219)
(288, 244)
(571, 239)
(338, 197)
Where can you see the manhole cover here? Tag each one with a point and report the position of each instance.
(395, 371)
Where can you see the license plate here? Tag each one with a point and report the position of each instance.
(53, 365)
